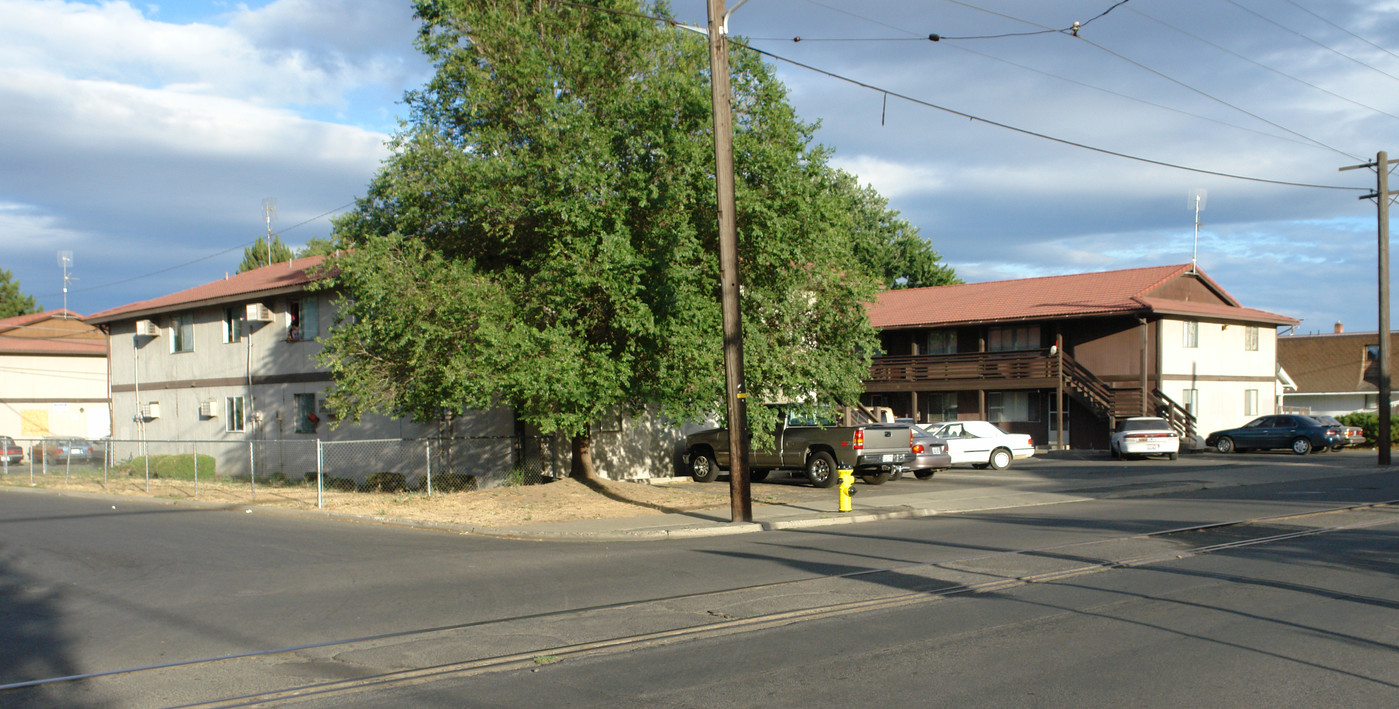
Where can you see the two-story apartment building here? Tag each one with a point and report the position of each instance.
(1084, 350)
(53, 377)
(233, 361)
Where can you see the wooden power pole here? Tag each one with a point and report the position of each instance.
(1382, 195)
(740, 494)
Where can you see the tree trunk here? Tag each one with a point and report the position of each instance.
(583, 458)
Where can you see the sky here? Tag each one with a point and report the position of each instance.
(145, 138)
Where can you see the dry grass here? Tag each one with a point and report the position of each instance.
(557, 501)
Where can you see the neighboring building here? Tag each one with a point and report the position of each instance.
(230, 366)
(1165, 341)
(53, 377)
(1335, 373)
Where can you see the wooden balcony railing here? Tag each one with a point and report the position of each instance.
(975, 369)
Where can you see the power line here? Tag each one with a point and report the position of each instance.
(1035, 134)
(1323, 19)
(1260, 65)
(1284, 28)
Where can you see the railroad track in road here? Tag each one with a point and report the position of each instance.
(460, 650)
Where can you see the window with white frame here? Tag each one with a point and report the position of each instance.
(233, 324)
(182, 333)
(1192, 335)
(1250, 402)
(1190, 399)
(1251, 338)
(234, 420)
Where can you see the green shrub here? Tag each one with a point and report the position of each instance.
(450, 482)
(1370, 424)
(170, 467)
(385, 482)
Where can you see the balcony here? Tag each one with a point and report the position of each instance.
(1025, 369)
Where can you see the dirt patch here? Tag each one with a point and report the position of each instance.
(557, 501)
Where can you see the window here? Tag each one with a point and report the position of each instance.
(1372, 353)
(1250, 402)
(940, 406)
(233, 324)
(1003, 406)
(306, 418)
(942, 342)
(1251, 338)
(1190, 399)
(1002, 339)
(1192, 335)
(182, 333)
(233, 408)
(303, 322)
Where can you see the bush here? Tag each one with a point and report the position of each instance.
(385, 482)
(1370, 423)
(170, 467)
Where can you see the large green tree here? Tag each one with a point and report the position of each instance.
(544, 233)
(13, 301)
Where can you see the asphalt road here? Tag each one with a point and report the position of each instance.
(85, 588)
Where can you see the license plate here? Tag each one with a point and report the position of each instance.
(889, 457)
(1152, 447)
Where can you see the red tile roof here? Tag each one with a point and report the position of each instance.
(54, 332)
(1057, 297)
(285, 277)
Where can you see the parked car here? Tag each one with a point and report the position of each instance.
(1303, 434)
(983, 444)
(57, 450)
(10, 452)
(1143, 436)
(930, 454)
(1354, 435)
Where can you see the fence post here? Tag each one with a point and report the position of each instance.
(252, 471)
(428, 446)
(148, 467)
(194, 448)
(106, 459)
(320, 472)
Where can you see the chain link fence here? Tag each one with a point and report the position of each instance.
(291, 472)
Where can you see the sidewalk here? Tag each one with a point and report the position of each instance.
(932, 499)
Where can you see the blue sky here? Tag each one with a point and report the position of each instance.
(145, 137)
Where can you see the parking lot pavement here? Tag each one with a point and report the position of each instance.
(787, 502)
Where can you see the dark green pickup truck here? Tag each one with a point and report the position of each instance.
(805, 442)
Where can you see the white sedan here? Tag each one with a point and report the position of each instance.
(1144, 435)
(982, 443)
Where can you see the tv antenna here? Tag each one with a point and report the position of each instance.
(269, 210)
(65, 261)
(1197, 200)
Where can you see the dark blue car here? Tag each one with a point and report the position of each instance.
(1303, 434)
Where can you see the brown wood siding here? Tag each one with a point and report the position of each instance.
(1187, 288)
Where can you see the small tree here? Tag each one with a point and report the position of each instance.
(13, 301)
(259, 254)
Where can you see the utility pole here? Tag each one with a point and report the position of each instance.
(740, 494)
(1382, 195)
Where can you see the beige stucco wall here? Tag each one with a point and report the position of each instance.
(1220, 369)
(53, 395)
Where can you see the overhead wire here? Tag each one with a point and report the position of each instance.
(1260, 65)
(972, 117)
(1328, 48)
(1323, 19)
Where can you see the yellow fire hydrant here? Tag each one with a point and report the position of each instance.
(846, 488)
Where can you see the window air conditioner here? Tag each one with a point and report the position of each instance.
(209, 409)
(147, 328)
(257, 312)
(151, 410)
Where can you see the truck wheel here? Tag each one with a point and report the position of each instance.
(877, 478)
(757, 476)
(925, 474)
(703, 469)
(1000, 459)
(821, 470)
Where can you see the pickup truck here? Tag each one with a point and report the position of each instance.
(804, 441)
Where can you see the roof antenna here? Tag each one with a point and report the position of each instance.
(1197, 200)
(65, 260)
(269, 209)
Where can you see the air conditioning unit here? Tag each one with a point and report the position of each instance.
(257, 312)
(147, 328)
(209, 409)
(151, 411)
